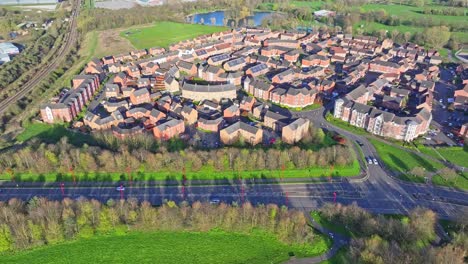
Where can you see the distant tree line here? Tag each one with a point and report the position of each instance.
(141, 155)
(387, 239)
(43, 222)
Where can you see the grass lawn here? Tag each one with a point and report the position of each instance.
(162, 34)
(346, 126)
(206, 173)
(314, 5)
(339, 229)
(461, 182)
(53, 133)
(454, 155)
(406, 12)
(375, 26)
(170, 247)
(88, 4)
(402, 161)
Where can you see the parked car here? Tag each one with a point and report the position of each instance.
(120, 188)
(375, 161)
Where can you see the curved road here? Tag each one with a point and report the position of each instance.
(64, 49)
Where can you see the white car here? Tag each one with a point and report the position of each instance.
(215, 201)
(120, 188)
(441, 101)
(369, 160)
(375, 161)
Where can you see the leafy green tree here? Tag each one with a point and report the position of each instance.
(437, 37)
(6, 240)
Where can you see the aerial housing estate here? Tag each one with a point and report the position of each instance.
(213, 82)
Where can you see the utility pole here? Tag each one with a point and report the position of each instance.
(62, 189)
(286, 198)
(12, 175)
(184, 181)
(121, 192)
(282, 172)
(129, 173)
(72, 174)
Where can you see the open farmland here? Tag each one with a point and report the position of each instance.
(162, 34)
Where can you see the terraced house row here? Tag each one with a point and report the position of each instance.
(214, 81)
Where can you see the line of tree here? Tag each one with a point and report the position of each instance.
(43, 222)
(41, 44)
(37, 157)
(386, 239)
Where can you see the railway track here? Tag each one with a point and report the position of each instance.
(70, 38)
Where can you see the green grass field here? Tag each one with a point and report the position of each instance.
(454, 155)
(88, 4)
(405, 13)
(206, 173)
(314, 5)
(162, 34)
(53, 133)
(374, 26)
(461, 182)
(402, 161)
(170, 247)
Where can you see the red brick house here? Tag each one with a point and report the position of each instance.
(232, 113)
(384, 67)
(156, 51)
(210, 125)
(284, 76)
(315, 60)
(169, 129)
(187, 67)
(247, 103)
(108, 60)
(257, 70)
(292, 55)
(134, 72)
(258, 88)
(140, 96)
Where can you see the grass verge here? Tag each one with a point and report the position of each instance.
(162, 34)
(461, 182)
(400, 160)
(171, 247)
(206, 173)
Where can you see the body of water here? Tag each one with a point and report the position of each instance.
(218, 18)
